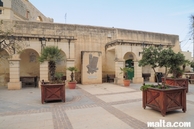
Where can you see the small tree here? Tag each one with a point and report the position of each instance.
(171, 61)
(150, 57)
(167, 58)
(53, 55)
(72, 69)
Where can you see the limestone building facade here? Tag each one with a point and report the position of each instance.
(108, 48)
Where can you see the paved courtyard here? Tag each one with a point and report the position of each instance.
(99, 106)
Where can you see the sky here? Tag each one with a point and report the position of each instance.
(161, 16)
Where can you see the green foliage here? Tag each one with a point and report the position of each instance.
(177, 72)
(72, 69)
(172, 61)
(58, 77)
(167, 58)
(125, 70)
(53, 55)
(150, 57)
(145, 87)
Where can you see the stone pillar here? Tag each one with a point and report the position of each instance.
(152, 76)
(118, 76)
(137, 73)
(70, 63)
(44, 72)
(14, 69)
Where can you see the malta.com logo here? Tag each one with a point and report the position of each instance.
(163, 123)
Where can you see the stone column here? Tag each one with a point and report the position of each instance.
(137, 73)
(118, 76)
(44, 72)
(70, 63)
(14, 70)
(152, 76)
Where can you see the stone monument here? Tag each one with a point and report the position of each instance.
(91, 67)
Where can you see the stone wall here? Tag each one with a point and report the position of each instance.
(93, 38)
(22, 10)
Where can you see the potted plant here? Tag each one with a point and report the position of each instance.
(126, 80)
(54, 89)
(177, 63)
(162, 97)
(72, 82)
(58, 77)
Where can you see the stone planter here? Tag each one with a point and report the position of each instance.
(182, 82)
(165, 100)
(51, 92)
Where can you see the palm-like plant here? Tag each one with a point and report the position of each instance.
(53, 55)
(72, 69)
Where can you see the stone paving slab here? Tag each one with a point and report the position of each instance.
(95, 118)
(136, 110)
(87, 106)
(27, 121)
(120, 97)
(105, 88)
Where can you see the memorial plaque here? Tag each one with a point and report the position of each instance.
(91, 67)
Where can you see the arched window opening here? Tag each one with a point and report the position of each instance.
(39, 18)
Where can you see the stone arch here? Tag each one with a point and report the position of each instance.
(130, 55)
(29, 64)
(129, 58)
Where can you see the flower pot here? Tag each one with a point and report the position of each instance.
(165, 100)
(126, 82)
(72, 85)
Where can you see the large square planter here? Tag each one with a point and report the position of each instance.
(165, 100)
(51, 92)
(182, 82)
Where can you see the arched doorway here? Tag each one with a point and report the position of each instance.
(129, 63)
(29, 68)
(29, 64)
